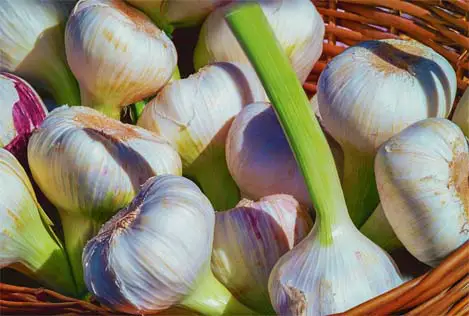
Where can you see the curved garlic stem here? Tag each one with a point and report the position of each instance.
(32, 46)
(152, 8)
(461, 115)
(212, 298)
(378, 229)
(27, 241)
(316, 275)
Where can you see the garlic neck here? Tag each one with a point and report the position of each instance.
(211, 173)
(210, 297)
(359, 185)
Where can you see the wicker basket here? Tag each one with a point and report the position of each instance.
(440, 24)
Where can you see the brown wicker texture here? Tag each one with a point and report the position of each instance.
(440, 24)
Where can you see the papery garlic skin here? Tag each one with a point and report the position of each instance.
(22, 112)
(461, 114)
(422, 175)
(32, 46)
(317, 279)
(178, 13)
(296, 23)
(195, 114)
(259, 156)
(155, 253)
(117, 54)
(27, 241)
(372, 91)
(89, 166)
(264, 231)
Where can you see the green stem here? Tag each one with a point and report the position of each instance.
(63, 86)
(77, 231)
(176, 74)
(378, 229)
(212, 298)
(312, 152)
(212, 174)
(104, 106)
(47, 261)
(359, 184)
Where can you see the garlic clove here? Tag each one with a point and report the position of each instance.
(422, 175)
(378, 229)
(264, 231)
(318, 279)
(155, 253)
(89, 166)
(256, 145)
(296, 23)
(117, 54)
(32, 46)
(372, 91)
(195, 114)
(461, 114)
(27, 241)
(23, 111)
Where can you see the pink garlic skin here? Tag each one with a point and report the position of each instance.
(249, 240)
(27, 112)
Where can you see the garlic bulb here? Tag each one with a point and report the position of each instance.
(27, 241)
(321, 279)
(461, 115)
(259, 156)
(89, 166)
(378, 229)
(177, 13)
(22, 112)
(369, 93)
(32, 46)
(195, 114)
(422, 175)
(296, 23)
(155, 253)
(263, 232)
(117, 54)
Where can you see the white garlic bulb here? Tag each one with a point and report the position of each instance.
(461, 114)
(177, 13)
(89, 166)
(117, 54)
(263, 231)
(259, 156)
(321, 279)
(22, 112)
(372, 91)
(155, 253)
(195, 114)
(296, 23)
(422, 175)
(32, 46)
(27, 241)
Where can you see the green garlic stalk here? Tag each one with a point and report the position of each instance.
(335, 267)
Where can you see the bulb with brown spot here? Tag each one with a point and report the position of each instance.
(422, 175)
(117, 54)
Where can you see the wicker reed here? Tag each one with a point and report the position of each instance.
(440, 24)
